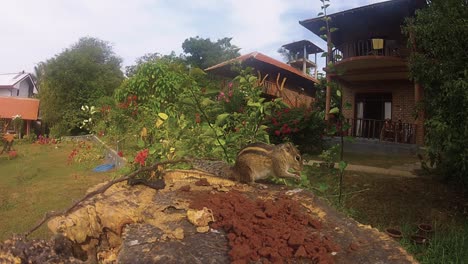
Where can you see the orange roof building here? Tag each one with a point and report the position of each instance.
(299, 87)
(16, 90)
(27, 108)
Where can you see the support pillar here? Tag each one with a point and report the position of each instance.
(419, 122)
(28, 127)
(328, 97)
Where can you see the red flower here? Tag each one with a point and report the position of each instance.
(197, 118)
(120, 153)
(274, 121)
(12, 154)
(141, 157)
(277, 132)
(286, 110)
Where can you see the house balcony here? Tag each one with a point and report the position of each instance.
(371, 60)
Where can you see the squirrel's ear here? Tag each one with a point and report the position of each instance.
(287, 146)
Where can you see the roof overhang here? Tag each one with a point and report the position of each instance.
(310, 47)
(371, 68)
(27, 108)
(263, 64)
(381, 20)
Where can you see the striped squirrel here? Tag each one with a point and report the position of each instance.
(257, 161)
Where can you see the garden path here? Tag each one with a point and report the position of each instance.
(404, 170)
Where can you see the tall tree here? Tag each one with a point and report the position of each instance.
(78, 76)
(439, 35)
(203, 53)
(152, 57)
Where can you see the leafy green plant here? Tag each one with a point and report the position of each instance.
(163, 108)
(439, 62)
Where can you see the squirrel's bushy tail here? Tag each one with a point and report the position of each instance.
(216, 167)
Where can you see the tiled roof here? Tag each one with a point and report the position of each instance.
(27, 108)
(264, 58)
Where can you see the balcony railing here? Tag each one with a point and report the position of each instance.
(383, 130)
(365, 48)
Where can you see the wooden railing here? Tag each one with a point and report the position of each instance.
(365, 48)
(382, 130)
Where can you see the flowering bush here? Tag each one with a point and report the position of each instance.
(141, 157)
(84, 152)
(46, 140)
(299, 125)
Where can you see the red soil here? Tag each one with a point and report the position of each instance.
(274, 231)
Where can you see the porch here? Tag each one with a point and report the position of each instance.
(381, 130)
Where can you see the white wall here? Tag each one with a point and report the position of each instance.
(24, 89)
(5, 92)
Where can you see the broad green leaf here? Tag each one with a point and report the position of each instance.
(338, 93)
(152, 151)
(333, 29)
(255, 104)
(334, 110)
(163, 116)
(140, 143)
(220, 118)
(342, 165)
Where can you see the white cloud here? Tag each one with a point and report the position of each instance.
(32, 31)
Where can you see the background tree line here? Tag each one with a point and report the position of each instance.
(89, 72)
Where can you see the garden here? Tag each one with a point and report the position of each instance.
(167, 111)
(44, 176)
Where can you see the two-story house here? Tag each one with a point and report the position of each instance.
(370, 64)
(16, 92)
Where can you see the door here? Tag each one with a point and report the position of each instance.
(371, 111)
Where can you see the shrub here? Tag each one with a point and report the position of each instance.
(298, 125)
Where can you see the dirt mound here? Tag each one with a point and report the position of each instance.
(272, 230)
(138, 224)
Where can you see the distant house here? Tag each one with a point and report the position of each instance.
(370, 53)
(282, 80)
(16, 90)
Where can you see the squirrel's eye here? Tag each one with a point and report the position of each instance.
(298, 158)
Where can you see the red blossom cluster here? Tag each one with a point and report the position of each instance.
(227, 98)
(72, 156)
(105, 109)
(45, 140)
(130, 101)
(141, 157)
(282, 125)
(120, 153)
(81, 146)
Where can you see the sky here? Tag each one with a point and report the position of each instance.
(32, 31)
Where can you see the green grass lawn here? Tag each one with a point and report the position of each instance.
(39, 180)
(402, 203)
